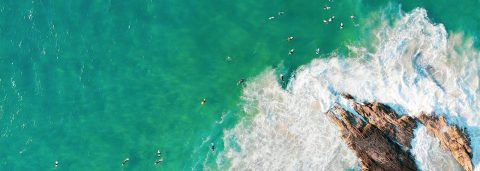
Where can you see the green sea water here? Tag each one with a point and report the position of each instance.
(89, 83)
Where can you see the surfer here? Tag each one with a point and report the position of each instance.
(331, 18)
(281, 78)
(203, 101)
(271, 18)
(290, 38)
(341, 25)
(212, 147)
(241, 81)
(125, 161)
(159, 154)
(291, 51)
(158, 161)
(56, 163)
(317, 51)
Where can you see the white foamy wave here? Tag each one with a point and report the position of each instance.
(416, 67)
(288, 132)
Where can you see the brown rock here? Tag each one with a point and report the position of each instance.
(382, 139)
(376, 149)
(384, 118)
(451, 138)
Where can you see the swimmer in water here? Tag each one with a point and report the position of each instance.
(317, 51)
(290, 38)
(291, 51)
(212, 147)
(56, 163)
(125, 161)
(228, 59)
(326, 8)
(341, 25)
(203, 101)
(281, 13)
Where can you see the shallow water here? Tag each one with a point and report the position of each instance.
(90, 83)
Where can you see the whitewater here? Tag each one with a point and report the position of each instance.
(415, 66)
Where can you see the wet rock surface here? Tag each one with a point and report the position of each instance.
(384, 118)
(375, 149)
(381, 138)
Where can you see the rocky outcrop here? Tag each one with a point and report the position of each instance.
(381, 139)
(451, 138)
(374, 147)
(399, 129)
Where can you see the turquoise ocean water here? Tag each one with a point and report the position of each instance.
(92, 82)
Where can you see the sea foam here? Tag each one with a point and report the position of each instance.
(416, 66)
